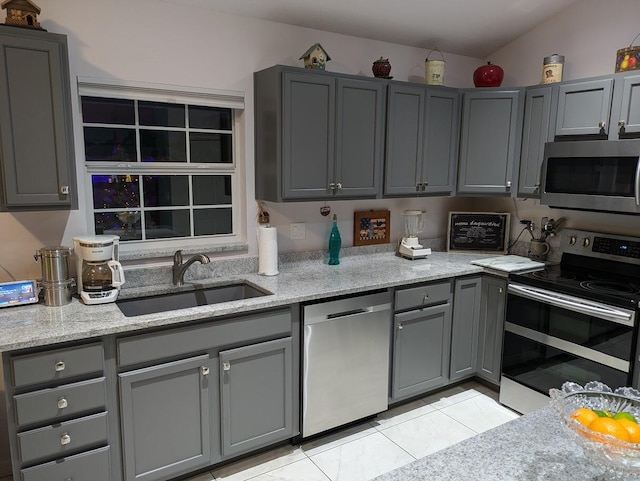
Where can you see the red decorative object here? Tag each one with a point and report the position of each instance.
(488, 76)
(381, 68)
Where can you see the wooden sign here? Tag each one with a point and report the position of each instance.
(478, 232)
(371, 227)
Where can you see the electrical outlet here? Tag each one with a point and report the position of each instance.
(298, 230)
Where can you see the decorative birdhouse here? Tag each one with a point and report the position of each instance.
(315, 57)
(22, 13)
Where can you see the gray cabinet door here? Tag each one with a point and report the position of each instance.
(538, 128)
(308, 135)
(626, 107)
(491, 328)
(422, 340)
(490, 141)
(256, 394)
(165, 418)
(464, 331)
(405, 136)
(441, 137)
(584, 107)
(359, 138)
(36, 155)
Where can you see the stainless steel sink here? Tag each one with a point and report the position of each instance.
(202, 296)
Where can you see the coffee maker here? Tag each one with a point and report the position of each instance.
(100, 275)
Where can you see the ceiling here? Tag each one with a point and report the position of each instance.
(475, 28)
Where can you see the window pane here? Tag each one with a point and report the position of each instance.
(125, 224)
(212, 221)
(209, 118)
(160, 114)
(165, 190)
(210, 148)
(110, 144)
(107, 111)
(211, 189)
(112, 191)
(160, 224)
(163, 146)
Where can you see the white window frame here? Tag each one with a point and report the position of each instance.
(130, 90)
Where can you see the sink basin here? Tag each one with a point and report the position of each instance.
(203, 296)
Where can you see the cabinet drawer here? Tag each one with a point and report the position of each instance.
(179, 342)
(423, 296)
(50, 404)
(56, 365)
(89, 466)
(63, 438)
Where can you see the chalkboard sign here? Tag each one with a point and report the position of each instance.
(478, 232)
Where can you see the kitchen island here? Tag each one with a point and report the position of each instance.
(531, 448)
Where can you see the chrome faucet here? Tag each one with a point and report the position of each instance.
(179, 268)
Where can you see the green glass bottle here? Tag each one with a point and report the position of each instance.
(335, 242)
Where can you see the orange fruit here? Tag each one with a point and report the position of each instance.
(610, 426)
(584, 416)
(632, 428)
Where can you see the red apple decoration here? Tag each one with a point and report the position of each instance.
(488, 76)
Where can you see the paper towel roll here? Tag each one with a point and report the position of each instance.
(267, 251)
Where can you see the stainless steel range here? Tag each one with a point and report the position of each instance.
(576, 321)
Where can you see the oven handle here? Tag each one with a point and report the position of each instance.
(626, 318)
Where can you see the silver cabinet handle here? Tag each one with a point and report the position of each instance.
(64, 189)
(65, 439)
(602, 125)
(425, 298)
(62, 403)
(226, 366)
(400, 328)
(508, 185)
(418, 186)
(500, 290)
(339, 186)
(424, 186)
(59, 366)
(204, 370)
(332, 186)
(621, 126)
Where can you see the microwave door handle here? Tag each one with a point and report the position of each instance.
(638, 183)
(581, 306)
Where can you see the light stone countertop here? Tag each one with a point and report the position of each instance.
(533, 447)
(39, 325)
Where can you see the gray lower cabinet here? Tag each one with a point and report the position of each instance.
(584, 108)
(255, 393)
(464, 332)
(318, 135)
(490, 135)
(422, 140)
(491, 327)
(36, 132)
(538, 128)
(165, 418)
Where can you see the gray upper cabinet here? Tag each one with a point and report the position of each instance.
(584, 108)
(464, 332)
(538, 128)
(625, 114)
(165, 418)
(256, 395)
(36, 133)
(490, 141)
(422, 140)
(492, 311)
(318, 135)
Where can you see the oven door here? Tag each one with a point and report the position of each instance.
(551, 338)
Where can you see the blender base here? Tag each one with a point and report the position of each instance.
(412, 253)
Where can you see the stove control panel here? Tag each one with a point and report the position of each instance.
(604, 246)
(607, 245)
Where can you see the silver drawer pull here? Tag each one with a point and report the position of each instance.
(204, 370)
(64, 189)
(425, 298)
(62, 403)
(59, 366)
(226, 366)
(400, 328)
(65, 439)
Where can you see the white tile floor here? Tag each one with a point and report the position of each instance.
(395, 438)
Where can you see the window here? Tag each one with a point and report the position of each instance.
(161, 170)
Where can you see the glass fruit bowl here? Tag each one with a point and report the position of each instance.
(620, 459)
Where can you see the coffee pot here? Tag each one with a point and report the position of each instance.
(100, 274)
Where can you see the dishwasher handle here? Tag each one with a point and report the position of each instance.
(332, 316)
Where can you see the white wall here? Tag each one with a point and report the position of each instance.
(156, 41)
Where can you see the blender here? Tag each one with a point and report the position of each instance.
(100, 275)
(410, 247)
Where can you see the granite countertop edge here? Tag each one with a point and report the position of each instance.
(38, 325)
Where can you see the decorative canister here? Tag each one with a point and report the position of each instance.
(434, 69)
(381, 68)
(552, 69)
(55, 263)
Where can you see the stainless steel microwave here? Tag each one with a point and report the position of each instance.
(600, 175)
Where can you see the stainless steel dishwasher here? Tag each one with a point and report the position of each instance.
(346, 361)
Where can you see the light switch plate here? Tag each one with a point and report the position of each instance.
(298, 230)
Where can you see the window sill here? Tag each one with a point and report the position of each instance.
(212, 250)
